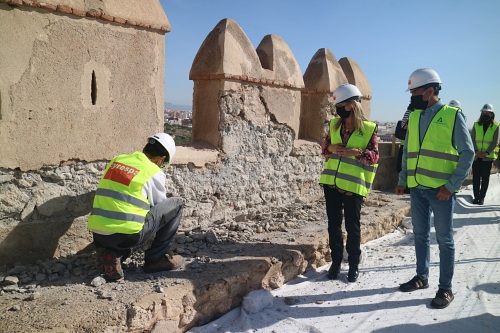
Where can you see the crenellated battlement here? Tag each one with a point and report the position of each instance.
(228, 62)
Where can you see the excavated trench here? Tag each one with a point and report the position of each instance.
(268, 265)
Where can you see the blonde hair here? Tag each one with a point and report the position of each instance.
(357, 116)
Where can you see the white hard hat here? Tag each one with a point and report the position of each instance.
(344, 92)
(488, 107)
(421, 77)
(167, 142)
(454, 103)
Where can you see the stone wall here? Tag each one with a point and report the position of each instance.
(386, 177)
(251, 149)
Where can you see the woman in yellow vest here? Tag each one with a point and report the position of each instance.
(131, 206)
(485, 138)
(351, 152)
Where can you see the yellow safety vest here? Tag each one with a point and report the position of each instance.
(346, 172)
(484, 140)
(432, 162)
(119, 204)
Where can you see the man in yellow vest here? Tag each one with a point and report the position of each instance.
(437, 157)
(131, 206)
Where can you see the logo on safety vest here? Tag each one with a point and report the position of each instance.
(440, 120)
(121, 173)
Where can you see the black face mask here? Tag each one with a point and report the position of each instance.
(484, 118)
(342, 112)
(417, 102)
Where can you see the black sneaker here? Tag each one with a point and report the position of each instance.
(414, 284)
(475, 201)
(334, 270)
(443, 299)
(480, 202)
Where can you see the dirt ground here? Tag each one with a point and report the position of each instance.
(66, 295)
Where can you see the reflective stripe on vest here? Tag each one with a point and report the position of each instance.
(346, 172)
(432, 162)
(119, 204)
(484, 140)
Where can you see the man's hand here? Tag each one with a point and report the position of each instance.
(400, 189)
(443, 193)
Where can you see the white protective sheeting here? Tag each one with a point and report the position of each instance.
(374, 304)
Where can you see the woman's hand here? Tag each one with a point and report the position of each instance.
(341, 150)
(334, 148)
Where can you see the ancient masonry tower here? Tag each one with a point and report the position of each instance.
(82, 81)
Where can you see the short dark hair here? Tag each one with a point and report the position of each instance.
(436, 86)
(154, 149)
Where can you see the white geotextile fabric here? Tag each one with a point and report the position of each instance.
(374, 304)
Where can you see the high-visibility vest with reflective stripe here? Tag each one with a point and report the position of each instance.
(484, 140)
(119, 204)
(345, 172)
(431, 162)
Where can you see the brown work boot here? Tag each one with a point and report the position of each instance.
(111, 265)
(167, 263)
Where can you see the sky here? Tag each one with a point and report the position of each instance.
(389, 39)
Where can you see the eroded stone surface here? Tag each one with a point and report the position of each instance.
(215, 279)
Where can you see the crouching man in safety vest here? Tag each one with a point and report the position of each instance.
(436, 160)
(130, 206)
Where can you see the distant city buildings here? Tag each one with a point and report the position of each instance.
(184, 118)
(386, 131)
(178, 117)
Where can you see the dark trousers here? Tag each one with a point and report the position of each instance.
(162, 222)
(400, 158)
(481, 177)
(339, 204)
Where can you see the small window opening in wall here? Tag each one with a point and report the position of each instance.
(93, 89)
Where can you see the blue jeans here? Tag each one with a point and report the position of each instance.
(423, 202)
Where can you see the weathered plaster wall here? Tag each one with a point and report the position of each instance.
(356, 76)
(76, 87)
(322, 76)
(228, 61)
